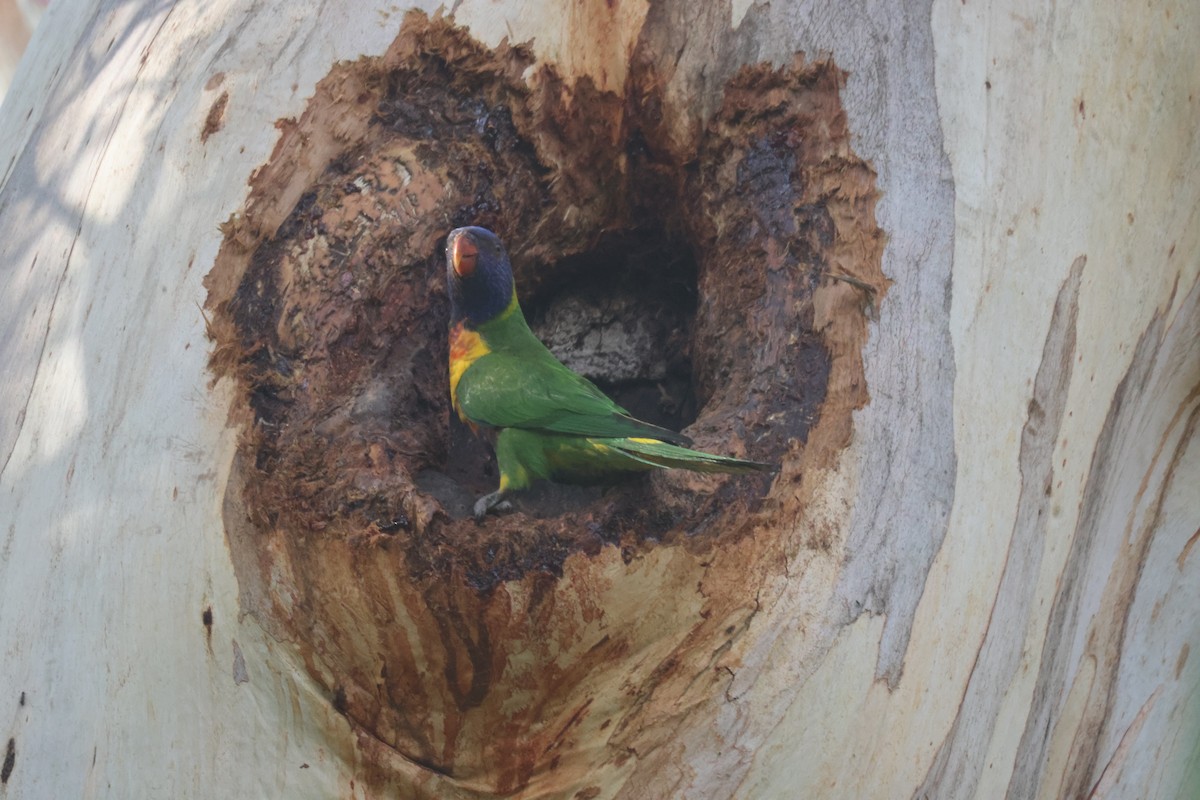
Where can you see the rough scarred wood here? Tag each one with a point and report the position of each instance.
(360, 550)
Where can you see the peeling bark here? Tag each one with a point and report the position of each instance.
(955, 771)
(1133, 471)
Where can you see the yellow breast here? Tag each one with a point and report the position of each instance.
(466, 347)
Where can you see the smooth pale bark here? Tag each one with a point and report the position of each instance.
(1015, 513)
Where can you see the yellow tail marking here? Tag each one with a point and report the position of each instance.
(644, 440)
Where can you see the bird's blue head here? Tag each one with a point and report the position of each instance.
(478, 274)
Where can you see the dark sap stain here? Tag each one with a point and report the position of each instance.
(339, 700)
(206, 617)
(10, 759)
(215, 120)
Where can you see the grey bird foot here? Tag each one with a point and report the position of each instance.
(488, 502)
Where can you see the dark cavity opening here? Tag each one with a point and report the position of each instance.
(621, 315)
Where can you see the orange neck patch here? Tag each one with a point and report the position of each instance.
(466, 347)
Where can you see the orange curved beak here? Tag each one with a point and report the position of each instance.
(463, 255)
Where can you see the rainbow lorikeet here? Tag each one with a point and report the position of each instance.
(552, 423)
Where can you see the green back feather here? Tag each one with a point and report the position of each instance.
(520, 384)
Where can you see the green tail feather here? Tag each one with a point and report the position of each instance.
(661, 454)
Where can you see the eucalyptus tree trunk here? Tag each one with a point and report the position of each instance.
(938, 262)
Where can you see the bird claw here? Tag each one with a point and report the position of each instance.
(489, 502)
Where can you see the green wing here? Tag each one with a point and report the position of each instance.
(534, 391)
